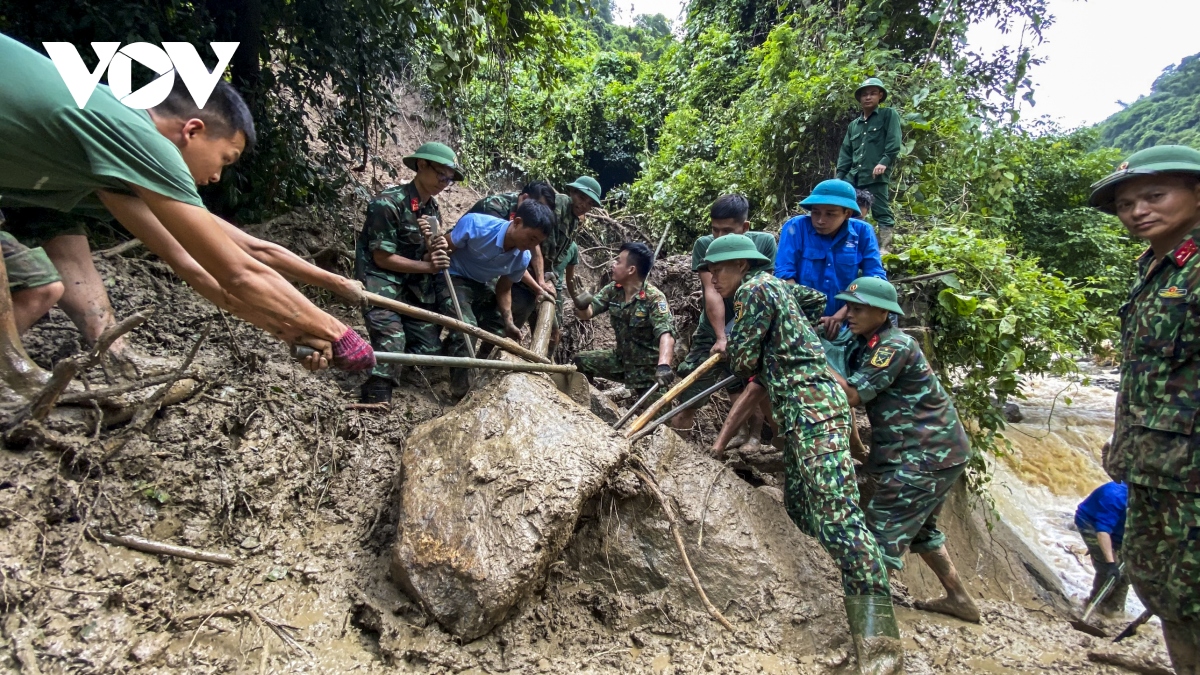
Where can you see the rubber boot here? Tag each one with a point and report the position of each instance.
(885, 238)
(376, 390)
(1182, 639)
(875, 633)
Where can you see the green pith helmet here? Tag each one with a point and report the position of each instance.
(833, 192)
(872, 82)
(588, 186)
(1161, 159)
(873, 292)
(735, 247)
(438, 153)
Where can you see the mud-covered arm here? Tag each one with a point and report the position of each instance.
(290, 265)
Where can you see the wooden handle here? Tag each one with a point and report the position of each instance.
(672, 395)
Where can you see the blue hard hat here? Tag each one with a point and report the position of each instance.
(833, 193)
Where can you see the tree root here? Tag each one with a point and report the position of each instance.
(281, 630)
(647, 477)
(150, 546)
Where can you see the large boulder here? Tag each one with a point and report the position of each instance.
(490, 495)
(754, 564)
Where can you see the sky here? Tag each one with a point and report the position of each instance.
(1097, 52)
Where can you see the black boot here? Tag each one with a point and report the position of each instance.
(376, 390)
(875, 633)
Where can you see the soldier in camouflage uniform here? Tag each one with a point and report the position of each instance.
(641, 321)
(1156, 444)
(504, 205)
(774, 344)
(919, 446)
(393, 258)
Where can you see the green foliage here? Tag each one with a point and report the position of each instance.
(341, 61)
(1169, 115)
(999, 319)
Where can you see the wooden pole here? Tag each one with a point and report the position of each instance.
(433, 233)
(672, 395)
(454, 324)
(540, 342)
(302, 352)
(691, 401)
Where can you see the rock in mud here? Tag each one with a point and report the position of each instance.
(753, 562)
(490, 495)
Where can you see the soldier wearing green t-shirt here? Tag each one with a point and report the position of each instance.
(869, 152)
(392, 258)
(143, 168)
(641, 322)
(729, 214)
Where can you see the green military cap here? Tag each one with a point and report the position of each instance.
(872, 82)
(833, 192)
(1160, 159)
(588, 186)
(873, 292)
(734, 247)
(438, 153)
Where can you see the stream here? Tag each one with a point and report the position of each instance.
(1054, 465)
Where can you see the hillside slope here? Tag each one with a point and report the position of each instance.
(1170, 114)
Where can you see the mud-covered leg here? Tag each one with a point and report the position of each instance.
(20, 377)
(958, 601)
(386, 331)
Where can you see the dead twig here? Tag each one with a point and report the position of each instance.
(110, 392)
(281, 630)
(704, 511)
(147, 409)
(120, 248)
(643, 473)
(237, 351)
(150, 546)
(67, 369)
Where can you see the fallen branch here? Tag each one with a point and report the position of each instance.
(923, 277)
(67, 369)
(110, 392)
(282, 630)
(647, 479)
(149, 546)
(1137, 664)
(120, 248)
(147, 409)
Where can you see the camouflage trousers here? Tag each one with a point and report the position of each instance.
(479, 308)
(821, 497)
(903, 512)
(27, 267)
(1162, 547)
(605, 363)
(392, 332)
(1115, 602)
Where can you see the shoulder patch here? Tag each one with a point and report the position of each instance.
(883, 357)
(1172, 292)
(1186, 251)
(662, 306)
(739, 310)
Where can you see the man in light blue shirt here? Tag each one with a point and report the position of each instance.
(487, 256)
(828, 249)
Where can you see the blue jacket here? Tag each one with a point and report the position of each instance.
(1104, 511)
(828, 264)
(479, 250)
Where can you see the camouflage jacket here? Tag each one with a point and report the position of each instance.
(773, 342)
(556, 246)
(502, 205)
(913, 420)
(392, 227)
(637, 324)
(1155, 443)
(810, 301)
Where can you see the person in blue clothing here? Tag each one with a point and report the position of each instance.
(828, 249)
(487, 256)
(1101, 520)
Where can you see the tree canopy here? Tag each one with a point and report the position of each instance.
(1169, 115)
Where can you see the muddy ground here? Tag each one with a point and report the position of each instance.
(266, 464)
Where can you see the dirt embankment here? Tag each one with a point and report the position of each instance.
(267, 465)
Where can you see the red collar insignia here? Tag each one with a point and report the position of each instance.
(641, 294)
(1185, 252)
(618, 285)
(512, 214)
(873, 341)
(415, 205)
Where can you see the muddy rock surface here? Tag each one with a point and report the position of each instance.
(490, 496)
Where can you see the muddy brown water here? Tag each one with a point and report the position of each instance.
(267, 465)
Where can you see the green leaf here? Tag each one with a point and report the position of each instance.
(1008, 325)
(962, 305)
